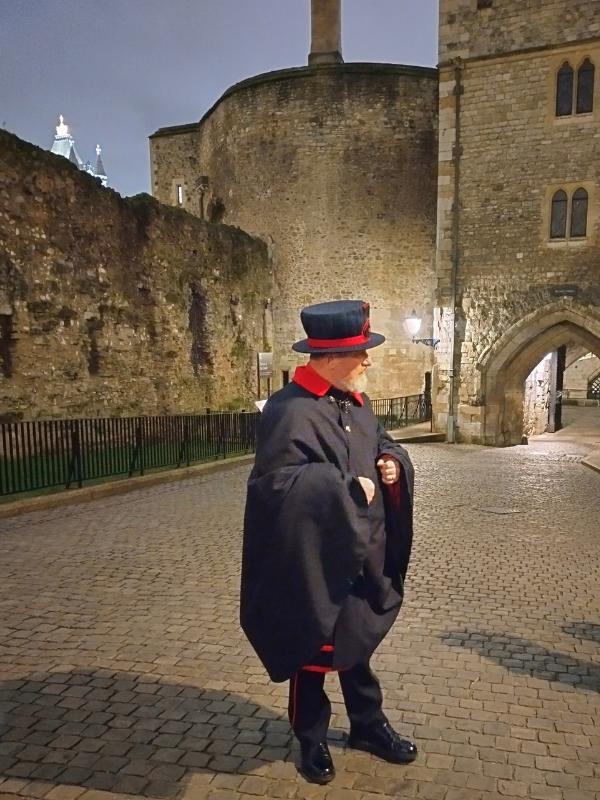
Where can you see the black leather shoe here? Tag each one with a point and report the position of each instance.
(383, 741)
(316, 764)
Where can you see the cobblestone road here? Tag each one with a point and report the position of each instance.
(123, 669)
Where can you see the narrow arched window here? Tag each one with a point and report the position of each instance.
(579, 212)
(585, 87)
(564, 90)
(558, 216)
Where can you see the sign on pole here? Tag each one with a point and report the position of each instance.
(265, 365)
(264, 369)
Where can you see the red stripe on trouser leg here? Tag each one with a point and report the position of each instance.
(311, 709)
(293, 700)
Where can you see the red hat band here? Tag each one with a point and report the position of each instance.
(347, 342)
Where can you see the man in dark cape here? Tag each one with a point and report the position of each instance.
(327, 538)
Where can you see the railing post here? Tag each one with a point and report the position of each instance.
(184, 449)
(187, 441)
(75, 459)
(137, 450)
(142, 445)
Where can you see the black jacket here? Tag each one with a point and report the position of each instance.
(319, 564)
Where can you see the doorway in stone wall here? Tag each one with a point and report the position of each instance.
(523, 371)
(543, 395)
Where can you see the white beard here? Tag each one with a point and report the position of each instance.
(358, 384)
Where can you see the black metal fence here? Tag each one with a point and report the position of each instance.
(45, 454)
(51, 453)
(398, 412)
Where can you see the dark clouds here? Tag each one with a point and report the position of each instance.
(119, 69)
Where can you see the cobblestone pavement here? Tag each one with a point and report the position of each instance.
(123, 670)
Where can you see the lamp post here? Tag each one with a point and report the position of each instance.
(413, 326)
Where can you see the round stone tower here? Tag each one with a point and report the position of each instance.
(335, 166)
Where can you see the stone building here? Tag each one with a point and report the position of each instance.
(334, 166)
(518, 195)
(469, 194)
(113, 307)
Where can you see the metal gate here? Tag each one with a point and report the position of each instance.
(594, 389)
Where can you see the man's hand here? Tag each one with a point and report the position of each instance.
(368, 488)
(389, 468)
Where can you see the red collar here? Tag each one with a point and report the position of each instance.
(309, 379)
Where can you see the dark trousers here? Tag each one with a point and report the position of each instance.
(309, 708)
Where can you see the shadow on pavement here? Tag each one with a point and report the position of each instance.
(525, 657)
(129, 733)
(583, 630)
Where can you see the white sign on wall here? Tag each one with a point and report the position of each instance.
(265, 365)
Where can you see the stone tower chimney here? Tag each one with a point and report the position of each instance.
(326, 32)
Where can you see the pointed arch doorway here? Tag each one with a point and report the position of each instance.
(507, 364)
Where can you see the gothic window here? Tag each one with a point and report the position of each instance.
(564, 90)
(579, 210)
(558, 216)
(585, 87)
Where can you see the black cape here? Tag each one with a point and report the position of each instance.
(319, 564)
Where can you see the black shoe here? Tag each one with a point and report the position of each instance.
(316, 764)
(383, 741)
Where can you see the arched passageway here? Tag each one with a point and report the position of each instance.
(507, 363)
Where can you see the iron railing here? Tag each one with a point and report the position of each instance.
(50, 453)
(45, 454)
(399, 412)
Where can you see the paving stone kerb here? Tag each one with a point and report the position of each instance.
(123, 671)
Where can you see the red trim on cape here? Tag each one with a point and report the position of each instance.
(394, 491)
(311, 668)
(308, 378)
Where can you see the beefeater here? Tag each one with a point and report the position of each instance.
(327, 538)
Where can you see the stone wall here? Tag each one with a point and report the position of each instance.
(472, 28)
(518, 294)
(537, 399)
(335, 167)
(115, 307)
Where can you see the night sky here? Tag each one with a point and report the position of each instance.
(119, 69)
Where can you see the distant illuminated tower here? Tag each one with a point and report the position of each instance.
(64, 145)
(99, 170)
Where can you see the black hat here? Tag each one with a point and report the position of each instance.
(341, 326)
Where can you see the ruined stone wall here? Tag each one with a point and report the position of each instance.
(335, 167)
(475, 28)
(115, 307)
(513, 154)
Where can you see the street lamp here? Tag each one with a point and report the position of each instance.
(413, 325)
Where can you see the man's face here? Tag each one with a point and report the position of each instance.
(348, 371)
